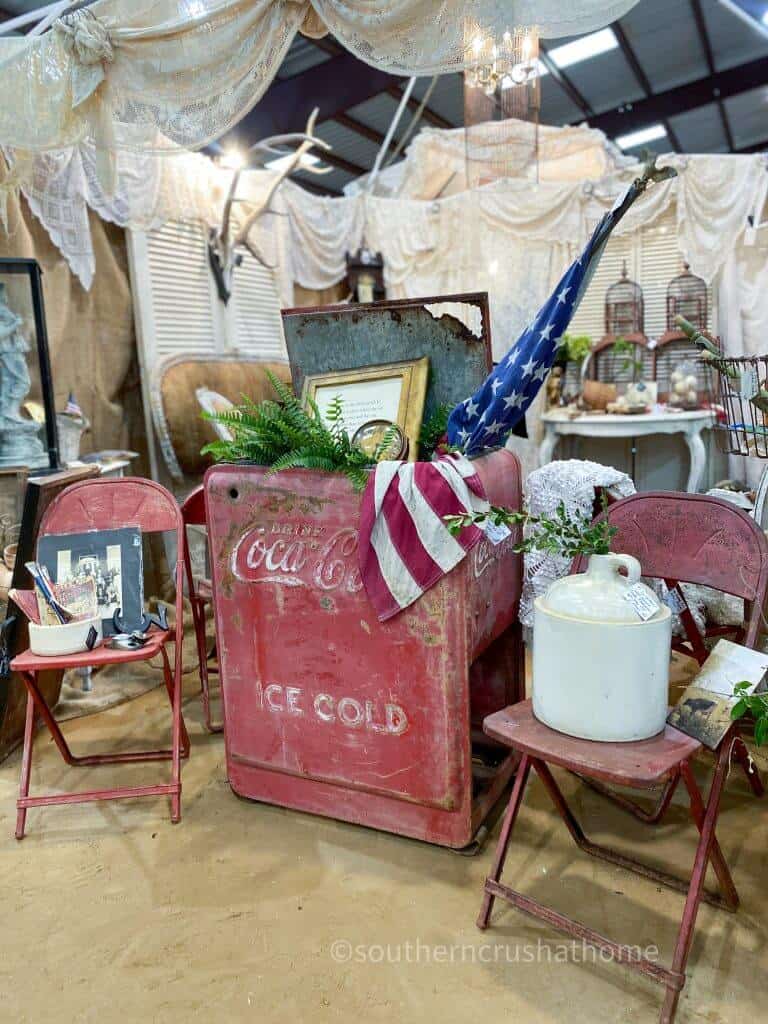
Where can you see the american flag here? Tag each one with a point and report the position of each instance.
(404, 544)
(486, 419)
(72, 408)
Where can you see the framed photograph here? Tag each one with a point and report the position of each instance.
(28, 434)
(393, 392)
(111, 558)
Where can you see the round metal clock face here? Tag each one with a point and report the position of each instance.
(373, 434)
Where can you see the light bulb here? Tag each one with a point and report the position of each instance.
(233, 159)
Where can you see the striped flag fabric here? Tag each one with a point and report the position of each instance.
(486, 419)
(404, 544)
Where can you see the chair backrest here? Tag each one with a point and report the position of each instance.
(174, 382)
(193, 508)
(108, 504)
(692, 538)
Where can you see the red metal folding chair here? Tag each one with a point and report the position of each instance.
(200, 594)
(692, 538)
(104, 505)
(639, 765)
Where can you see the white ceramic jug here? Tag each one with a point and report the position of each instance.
(601, 672)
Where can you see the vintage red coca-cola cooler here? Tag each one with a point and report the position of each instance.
(330, 711)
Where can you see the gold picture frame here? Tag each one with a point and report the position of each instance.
(391, 391)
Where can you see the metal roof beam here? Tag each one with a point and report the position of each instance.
(333, 86)
(348, 166)
(564, 82)
(329, 45)
(681, 99)
(427, 113)
(642, 79)
(365, 130)
(706, 43)
(311, 186)
(753, 147)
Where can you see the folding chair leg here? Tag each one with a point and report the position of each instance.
(198, 617)
(30, 681)
(719, 864)
(179, 730)
(26, 765)
(510, 816)
(704, 852)
(169, 685)
(647, 817)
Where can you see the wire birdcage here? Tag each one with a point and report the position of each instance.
(624, 307)
(742, 383)
(687, 296)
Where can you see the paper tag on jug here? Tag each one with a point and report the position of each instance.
(645, 604)
(496, 533)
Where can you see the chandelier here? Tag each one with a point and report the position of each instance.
(494, 64)
(502, 98)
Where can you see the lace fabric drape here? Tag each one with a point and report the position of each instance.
(513, 242)
(192, 68)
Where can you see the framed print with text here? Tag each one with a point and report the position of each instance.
(392, 391)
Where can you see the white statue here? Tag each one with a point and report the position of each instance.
(20, 444)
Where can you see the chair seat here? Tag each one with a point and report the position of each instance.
(101, 655)
(204, 588)
(641, 764)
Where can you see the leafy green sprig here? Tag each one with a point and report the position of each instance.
(432, 438)
(560, 534)
(755, 704)
(575, 347)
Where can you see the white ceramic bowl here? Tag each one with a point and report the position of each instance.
(55, 641)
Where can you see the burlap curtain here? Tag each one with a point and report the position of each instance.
(91, 337)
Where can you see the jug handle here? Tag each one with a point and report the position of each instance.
(628, 562)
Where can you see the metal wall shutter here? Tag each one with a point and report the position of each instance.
(590, 316)
(255, 325)
(182, 316)
(177, 310)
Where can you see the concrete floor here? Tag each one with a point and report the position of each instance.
(111, 913)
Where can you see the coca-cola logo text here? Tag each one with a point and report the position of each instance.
(298, 555)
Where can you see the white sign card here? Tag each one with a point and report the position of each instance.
(364, 400)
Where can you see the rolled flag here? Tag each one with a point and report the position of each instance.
(486, 419)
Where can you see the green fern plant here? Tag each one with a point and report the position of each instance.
(434, 427)
(284, 435)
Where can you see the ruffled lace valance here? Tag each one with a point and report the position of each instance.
(191, 69)
(465, 241)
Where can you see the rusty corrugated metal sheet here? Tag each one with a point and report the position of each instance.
(342, 337)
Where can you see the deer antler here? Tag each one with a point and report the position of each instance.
(310, 141)
(222, 250)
